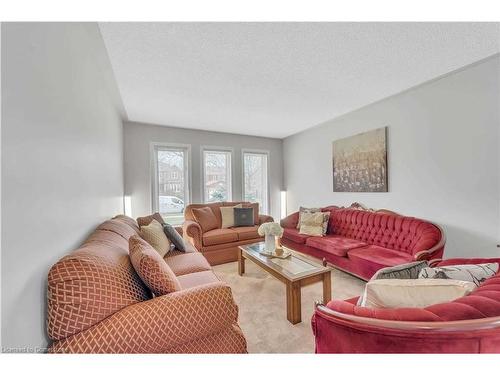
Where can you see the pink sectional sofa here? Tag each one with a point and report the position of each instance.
(361, 241)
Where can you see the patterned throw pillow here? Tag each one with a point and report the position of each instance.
(151, 268)
(326, 217)
(305, 209)
(243, 217)
(155, 236)
(174, 237)
(206, 218)
(313, 223)
(402, 271)
(227, 214)
(476, 273)
(146, 220)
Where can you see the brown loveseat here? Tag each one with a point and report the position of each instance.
(220, 245)
(98, 304)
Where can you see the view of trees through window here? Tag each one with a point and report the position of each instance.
(217, 176)
(255, 179)
(172, 189)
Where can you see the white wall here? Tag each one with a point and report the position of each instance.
(443, 157)
(138, 138)
(62, 160)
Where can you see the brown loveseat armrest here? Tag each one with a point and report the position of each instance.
(265, 219)
(193, 233)
(290, 221)
(156, 325)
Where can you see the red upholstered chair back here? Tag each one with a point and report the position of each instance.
(402, 233)
(466, 325)
(94, 281)
(483, 302)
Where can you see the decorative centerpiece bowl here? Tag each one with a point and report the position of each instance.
(272, 233)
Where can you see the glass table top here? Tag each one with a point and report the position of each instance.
(293, 266)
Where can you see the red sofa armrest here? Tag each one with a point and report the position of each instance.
(337, 332)
(369, 322)
(434, 252)
(290, 221)
(193, 233)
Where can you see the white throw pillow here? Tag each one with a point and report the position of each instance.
(227, 214)
(395, 293)
(305, 209)
(476, 273)
(313, 223)
(156, 237)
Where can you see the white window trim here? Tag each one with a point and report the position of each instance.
(257, 151)
(202, 169)
(153, 147)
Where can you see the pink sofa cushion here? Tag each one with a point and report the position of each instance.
(406, 234)
(293, 234)
(219, 236)
(379, 256)
(184, 263)
(246, 233)
(335, 244)
(192, 280)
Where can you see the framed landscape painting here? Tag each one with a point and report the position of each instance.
(360, 162)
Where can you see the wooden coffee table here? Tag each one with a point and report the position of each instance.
(295, 271)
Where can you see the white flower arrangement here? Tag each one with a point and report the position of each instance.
(270, 229)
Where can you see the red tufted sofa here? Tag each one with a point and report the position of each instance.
(469, 324)
(361, 242)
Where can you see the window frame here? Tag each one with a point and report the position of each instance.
(228, 150)
(268, 164)
(165, 146)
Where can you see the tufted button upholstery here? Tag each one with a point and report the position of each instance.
(293, 235)
(483, 302)
(361, 242)
(402, 233)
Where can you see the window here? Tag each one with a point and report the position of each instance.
(171, 187)
(217, 176)
(255, 178)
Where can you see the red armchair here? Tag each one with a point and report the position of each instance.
(469, 324)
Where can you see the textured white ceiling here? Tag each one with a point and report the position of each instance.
(276, 79)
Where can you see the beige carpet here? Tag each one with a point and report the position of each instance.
(261, 301)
